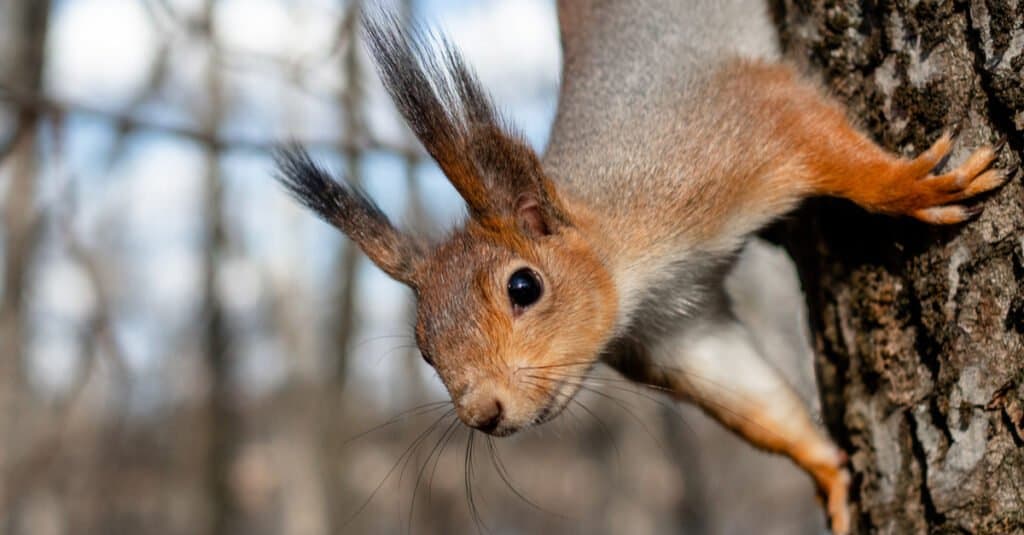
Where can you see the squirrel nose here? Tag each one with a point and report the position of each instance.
(490, 419)
(486, 415)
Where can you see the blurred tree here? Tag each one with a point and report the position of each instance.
(23, 27)
(351, 104)
(219, 350)
(345, 316)
(919, 330)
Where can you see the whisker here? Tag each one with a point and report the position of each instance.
(419, 477)
(605, 428)
(437, 460)
(575, 418)
(621, 404)
(407, 451)
(371, 339)
(499, 467)
(404, 415)
(670, 406)
(408, 460)
(625, 408)
(670, 369)
(560, 365)
(724, 408)
(392, 351)
(626, 380)
(468, 475)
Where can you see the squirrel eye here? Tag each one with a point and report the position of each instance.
(524, 288)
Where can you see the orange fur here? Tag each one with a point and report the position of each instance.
(492, 351)
(652, 181)
(746, 147)
(835, 159)
(781, 426)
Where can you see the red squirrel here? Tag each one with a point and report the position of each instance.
(678, 134)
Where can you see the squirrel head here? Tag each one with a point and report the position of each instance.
(514, 307)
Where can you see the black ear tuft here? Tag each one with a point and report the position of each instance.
(348, 209)
(440, 98)
(444, 104)
(314, 187)
(437, 93)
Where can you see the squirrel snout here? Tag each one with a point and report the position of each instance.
(483, 411)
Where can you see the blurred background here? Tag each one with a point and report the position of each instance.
(185, 350)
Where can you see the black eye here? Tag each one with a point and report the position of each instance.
(524, 288)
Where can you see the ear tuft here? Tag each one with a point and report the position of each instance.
(349, 210)
(440, 97)
(444, 104)
(314, 187)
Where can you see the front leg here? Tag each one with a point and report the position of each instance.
(851, 166)
(843, 162)
(823, 154)
(716, 364)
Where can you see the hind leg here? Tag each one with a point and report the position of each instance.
(718, 366)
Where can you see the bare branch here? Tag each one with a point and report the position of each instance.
(45, 105)
(173, 25)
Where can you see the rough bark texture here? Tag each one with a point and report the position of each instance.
(919, 331)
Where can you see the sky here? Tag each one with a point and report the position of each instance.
(140, 197)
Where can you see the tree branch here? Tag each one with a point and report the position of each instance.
(45, 105)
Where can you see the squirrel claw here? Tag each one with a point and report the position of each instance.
(931, 197)
(946, 215)
(837, 506)
(833, 483)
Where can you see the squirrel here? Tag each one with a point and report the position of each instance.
(679, 132)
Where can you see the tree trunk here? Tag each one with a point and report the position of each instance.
(23, 27)
(223, 421)
(919, 330)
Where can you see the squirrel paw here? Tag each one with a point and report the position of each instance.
(834, 488)
(826, 466)
(836, 503)
(933, 198)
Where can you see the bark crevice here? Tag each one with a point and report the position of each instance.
(999, 114)
(918, 330)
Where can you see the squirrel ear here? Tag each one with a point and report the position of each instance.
(445, 105)
(538, 212)
(519, 191)
(440, 98)
(351, 211)
(530, 217)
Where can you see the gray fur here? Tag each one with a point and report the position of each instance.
(633, 117)
(634, 122)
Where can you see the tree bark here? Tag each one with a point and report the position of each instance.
(919, 330)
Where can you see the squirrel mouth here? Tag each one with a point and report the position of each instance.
(563, 392)
(560, 397)
(544, 414)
